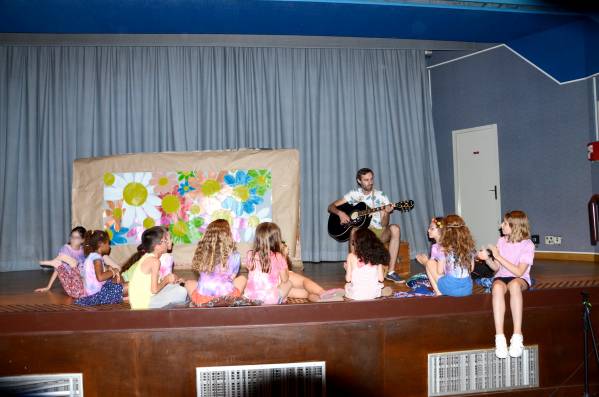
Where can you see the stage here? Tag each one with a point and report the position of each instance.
(375, 347)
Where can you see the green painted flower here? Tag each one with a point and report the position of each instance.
(261, 180)
(185, 175)
(186, 232)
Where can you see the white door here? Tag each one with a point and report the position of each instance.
(476, 181)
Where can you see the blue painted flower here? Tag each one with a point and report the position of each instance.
(249, 205)
(240, 178)
(118, 237)
(184, 188)
(233, 205)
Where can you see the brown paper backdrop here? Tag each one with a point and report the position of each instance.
(88, 188)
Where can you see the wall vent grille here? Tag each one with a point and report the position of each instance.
(293, 379)
(476, 371)
(42, 385)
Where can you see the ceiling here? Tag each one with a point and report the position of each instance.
(562, 41)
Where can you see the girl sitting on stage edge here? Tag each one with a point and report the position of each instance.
(512, 258)
(268, 277)
(217, 262)
(451, 276)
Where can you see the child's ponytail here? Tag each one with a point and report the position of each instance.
(92, 240)
(149, 239)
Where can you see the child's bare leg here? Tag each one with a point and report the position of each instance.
(302, 282)
(304, 288)
(72, 262)
(312, 287)
(52, 262)
(240, 282)
(298, 293)
(47, 287)
(284, 289)
(515, 287)
(433, 275)
(190, 286)
(498, 290)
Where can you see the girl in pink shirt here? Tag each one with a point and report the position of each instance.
(268, 277)
(511, 259)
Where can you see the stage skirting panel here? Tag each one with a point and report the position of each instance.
(184, 192)
(371, 348)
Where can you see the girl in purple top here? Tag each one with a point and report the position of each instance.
(66, 265)
(511, 260)
(217, 262)
(435, 230)
(434, 233)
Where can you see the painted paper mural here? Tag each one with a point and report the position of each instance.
(185, 202)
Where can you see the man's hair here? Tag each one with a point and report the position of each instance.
(363, 171)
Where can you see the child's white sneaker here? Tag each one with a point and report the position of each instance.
(501, 346)
(516, 345)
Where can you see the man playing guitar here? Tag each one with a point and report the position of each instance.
(380, 220)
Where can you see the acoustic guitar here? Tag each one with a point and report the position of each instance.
(360, 217)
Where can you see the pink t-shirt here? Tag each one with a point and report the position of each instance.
(522, 252)
(264, 286)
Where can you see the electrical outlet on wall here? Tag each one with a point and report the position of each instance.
(553, 240)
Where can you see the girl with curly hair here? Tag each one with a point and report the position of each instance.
(451, 276)
(217, 262)
(364, 267)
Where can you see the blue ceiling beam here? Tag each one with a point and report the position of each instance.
(562, 42)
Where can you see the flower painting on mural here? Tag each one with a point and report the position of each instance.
(185, 202)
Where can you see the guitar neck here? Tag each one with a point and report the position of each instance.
(377, 209)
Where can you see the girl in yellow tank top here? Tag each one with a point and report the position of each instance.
(145, 291)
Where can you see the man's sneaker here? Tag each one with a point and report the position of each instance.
(516, 345)
(500, 346)
(394, 277)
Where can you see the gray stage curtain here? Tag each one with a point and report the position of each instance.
(342, 108)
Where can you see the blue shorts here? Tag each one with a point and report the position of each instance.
(452, 286)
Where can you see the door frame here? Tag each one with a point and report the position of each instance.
(456, 176)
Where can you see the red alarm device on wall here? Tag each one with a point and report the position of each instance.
(593, 151)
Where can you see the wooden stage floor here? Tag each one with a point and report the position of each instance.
(16, 288)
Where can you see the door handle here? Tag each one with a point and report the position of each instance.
(495, 191)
